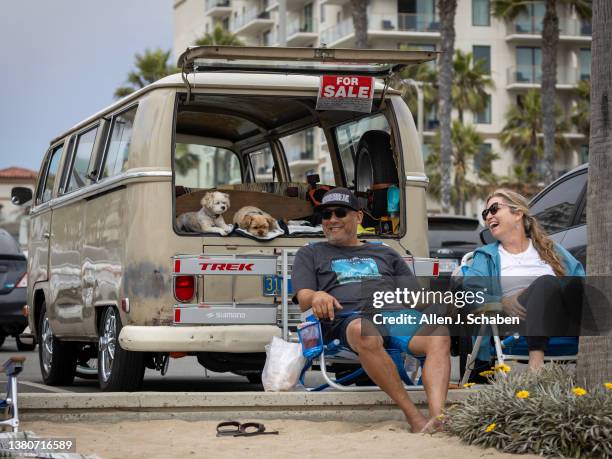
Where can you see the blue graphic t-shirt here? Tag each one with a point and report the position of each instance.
(349, 273)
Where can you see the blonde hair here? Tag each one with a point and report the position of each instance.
(540, 240)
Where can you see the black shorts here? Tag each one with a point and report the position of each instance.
(336, 329)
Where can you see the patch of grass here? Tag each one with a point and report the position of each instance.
(541, 413)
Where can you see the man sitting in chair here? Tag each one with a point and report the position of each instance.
(328, 276)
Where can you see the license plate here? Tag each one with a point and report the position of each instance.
(272, 286)
(448, 266)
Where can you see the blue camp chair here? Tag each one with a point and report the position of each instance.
(334, 352)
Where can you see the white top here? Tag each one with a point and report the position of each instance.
(518, 270)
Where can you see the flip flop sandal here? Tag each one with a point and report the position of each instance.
(228, 429)
(245, 430)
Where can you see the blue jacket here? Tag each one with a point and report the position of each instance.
(485, 273)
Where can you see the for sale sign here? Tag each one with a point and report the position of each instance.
(353, 93)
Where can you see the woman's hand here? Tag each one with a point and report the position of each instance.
(324, 305)
(512, 307)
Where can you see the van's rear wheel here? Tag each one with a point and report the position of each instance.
(118, 370)
(57, 359)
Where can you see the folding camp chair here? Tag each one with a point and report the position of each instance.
(12, 367)
(335, 353)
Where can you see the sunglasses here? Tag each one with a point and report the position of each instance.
(493, 209)
(340, 212)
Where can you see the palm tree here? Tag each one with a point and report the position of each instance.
(595, 352)
(150, 67)
(447, 10)
(219, 36)
(466, 145)
(522, 134)
(581, 110)
(510, 9)
(359, 10)
(469, 83)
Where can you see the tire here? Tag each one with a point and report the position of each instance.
(118, 370)
(2, 338)
(24, 347)
(57, 359)
(375, 165)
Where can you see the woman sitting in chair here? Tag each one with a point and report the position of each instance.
(528, 265)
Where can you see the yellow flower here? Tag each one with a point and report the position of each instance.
(490, 427)
(468, 385)
(503, 367)
(522, 394)
(579, 391)
(486, 373)
(608, 385)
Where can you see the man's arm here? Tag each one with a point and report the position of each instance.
(322, 303)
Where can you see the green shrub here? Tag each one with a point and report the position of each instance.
(551, 419)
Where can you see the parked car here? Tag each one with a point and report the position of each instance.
(114, 276)
(13, 283)
(450, 238)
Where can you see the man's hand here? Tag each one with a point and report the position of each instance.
(512, 307)
(323, 305)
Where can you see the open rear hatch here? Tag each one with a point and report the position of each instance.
(302, 61)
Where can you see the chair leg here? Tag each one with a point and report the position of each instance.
(469, 365)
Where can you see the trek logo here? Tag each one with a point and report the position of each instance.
(226, 266)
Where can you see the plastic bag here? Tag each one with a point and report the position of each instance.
(284, 363)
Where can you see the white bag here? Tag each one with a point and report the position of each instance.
(284, 363)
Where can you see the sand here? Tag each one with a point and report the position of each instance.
(296, 439)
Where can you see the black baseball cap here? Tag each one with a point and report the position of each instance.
(339, 197)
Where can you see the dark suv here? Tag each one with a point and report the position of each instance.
(13, 281)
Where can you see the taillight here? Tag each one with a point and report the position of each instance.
(23, 282)
(436, 268)
(184, 288)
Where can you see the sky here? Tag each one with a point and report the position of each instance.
(61, 61)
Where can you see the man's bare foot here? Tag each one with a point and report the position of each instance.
(434, 425)
(418, 423)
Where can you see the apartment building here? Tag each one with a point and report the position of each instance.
(511, 50)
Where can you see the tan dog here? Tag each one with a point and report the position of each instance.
(255, 221)
(209, 219)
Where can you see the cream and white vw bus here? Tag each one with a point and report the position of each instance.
(116, 286)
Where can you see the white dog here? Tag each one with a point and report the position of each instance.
(209, 219)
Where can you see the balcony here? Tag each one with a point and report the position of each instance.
(254, 21)
(218, 8)
(404, 25)
(530, 28)
(530, 76)
(338, 33)
(301, 32)
(299, 159)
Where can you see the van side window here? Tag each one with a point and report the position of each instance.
(118, 148)
(261, 165)
(347, 139)
(50, 175)
(80, 165)
(204, 166)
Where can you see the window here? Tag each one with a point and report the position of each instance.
(555, 209)
(482, 159)
(118, 147)
(481, 15)
(322, 13)
(225, 23)
(306, 26)
(81, 159)
(528, 65)
(418, 15)
(51, 174)
(529, 21)
(300, 152)
(584, 153)
(585, 64)
(205, 166)
(266, 38)
(348, 136)
(483, 53)
(261, 166)
(484, 117)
